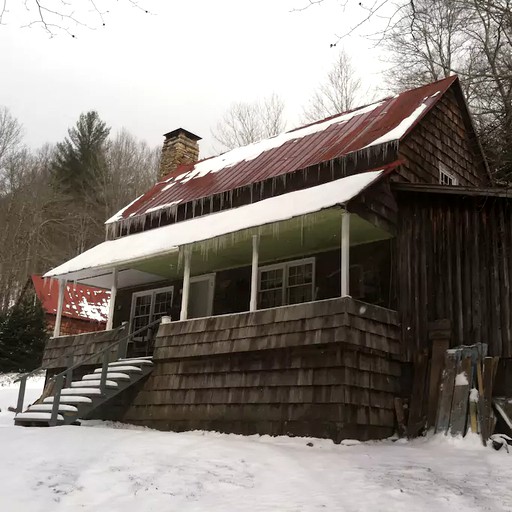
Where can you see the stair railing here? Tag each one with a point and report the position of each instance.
(22, 379)
(66, 375)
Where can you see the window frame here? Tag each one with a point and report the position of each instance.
(284, 266)
(153, 292)
(443, 172)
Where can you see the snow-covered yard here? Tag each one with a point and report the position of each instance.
(105, 467)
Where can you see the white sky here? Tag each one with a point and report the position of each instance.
(180, 66)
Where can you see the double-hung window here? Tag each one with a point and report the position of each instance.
(149, 306)
(286, 283)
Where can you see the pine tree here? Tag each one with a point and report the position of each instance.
(79, 165)
(80, 179)
(22, 336)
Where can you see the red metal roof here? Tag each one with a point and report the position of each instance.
(388, 120)
(80, 301)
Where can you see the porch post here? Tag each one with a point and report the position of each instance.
(111, 306)
(60, 303)
(345, 253)
(186, 285)
(254, 273)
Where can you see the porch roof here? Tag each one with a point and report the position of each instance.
(126, 251)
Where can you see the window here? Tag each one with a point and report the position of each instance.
(286, 283)
(446, 177)
(148, 306)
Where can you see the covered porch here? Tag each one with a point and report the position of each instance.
(300, 247)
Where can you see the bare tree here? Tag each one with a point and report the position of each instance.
(245, 123)
(25, 193)
(340, 91)
(132, 169)
(10, 133)
(436, 38)
(55, 16)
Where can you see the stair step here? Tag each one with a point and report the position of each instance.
(80, 391)
(110, 375)
(137, 361)
(127, 369)
(70, 399)
(49, 407)
(93, 383)
(37, 416)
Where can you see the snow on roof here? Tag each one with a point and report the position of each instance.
(167, 239)
(382, 122)
(80, 301)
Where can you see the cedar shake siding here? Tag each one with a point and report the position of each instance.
(443, 139)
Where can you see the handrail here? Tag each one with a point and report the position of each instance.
(27, 375)
(106, 349)
(42, 367)
(68, 372)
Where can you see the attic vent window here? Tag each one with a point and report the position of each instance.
(446, 177)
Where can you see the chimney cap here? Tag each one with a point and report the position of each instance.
(179, 131)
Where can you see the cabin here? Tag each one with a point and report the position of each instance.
(286, 287)
(84, 308)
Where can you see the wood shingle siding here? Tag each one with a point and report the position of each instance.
(443, 137)
(79, 346)
(326, 368)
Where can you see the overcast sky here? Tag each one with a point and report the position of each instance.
(180, 66)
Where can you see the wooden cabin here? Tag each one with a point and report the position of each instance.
(302, 273)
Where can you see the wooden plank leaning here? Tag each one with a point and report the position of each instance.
(446, 392)
(462, 386)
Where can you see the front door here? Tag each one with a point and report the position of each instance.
(200, 302)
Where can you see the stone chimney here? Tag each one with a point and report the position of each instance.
(180, 147)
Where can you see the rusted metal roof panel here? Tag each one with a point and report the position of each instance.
(80, 301)
(386, 121)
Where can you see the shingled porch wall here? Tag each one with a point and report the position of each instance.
(327, 369)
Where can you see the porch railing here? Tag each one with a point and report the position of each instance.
(65, 377)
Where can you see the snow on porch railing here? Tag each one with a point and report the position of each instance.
(66, 376)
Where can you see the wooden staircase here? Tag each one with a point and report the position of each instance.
(81, 397)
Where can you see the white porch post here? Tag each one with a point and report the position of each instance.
(345, 253)
(111, 306)
(60, 303)
(186, 285)
(254, 273)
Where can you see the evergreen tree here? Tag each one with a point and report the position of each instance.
(22, 336)
(80, 178)
(79, 166)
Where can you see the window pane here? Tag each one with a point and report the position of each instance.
(271, 298)
(300, 274)
(141, 314)
(271, 288)
(300, 283)
(297, 294)
(163, 304)
(271, 279)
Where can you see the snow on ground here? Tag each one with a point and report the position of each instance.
(9, 397)
(105, 466)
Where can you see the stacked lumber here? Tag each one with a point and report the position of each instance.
(451, 393)
(465, 392)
